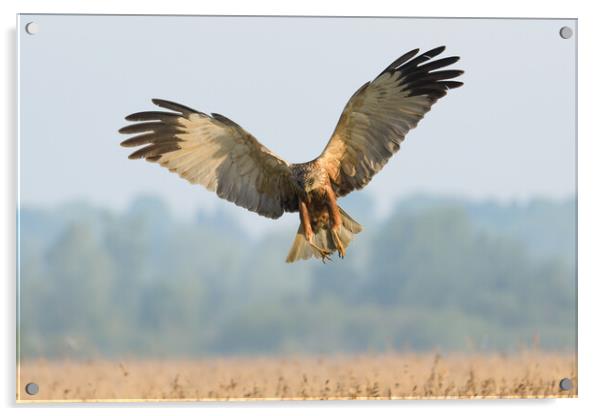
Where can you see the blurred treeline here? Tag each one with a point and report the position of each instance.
(435, 273)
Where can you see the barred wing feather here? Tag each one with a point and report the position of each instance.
(215, 152)
(378, 116)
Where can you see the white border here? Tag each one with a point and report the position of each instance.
(589, 171)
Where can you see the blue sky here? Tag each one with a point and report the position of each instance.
(508, 134)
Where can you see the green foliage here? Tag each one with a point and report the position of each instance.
(436, 273)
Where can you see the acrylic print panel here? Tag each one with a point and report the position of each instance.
(137, 283)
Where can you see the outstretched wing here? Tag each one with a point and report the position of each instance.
(215, 152)
(380, 114)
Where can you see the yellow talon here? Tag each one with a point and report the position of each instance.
(338, 243)
(323, 252)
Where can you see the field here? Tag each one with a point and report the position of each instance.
(388, 376)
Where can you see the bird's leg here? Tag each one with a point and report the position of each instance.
(305, 221)
(309, 233)
(335, 220)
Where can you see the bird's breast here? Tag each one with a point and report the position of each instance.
(318, 213)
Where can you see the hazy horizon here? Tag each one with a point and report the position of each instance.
(434, 273)
(257, 226)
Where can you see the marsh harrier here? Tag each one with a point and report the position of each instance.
(213, 151)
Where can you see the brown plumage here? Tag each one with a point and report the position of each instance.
(213, 151)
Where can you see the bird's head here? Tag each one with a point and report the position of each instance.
(305, 178)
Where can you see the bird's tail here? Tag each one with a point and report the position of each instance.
(302, 250)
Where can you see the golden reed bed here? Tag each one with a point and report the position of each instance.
(388, 376)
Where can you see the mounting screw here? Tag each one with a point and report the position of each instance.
(32, 389)
(566, 32)
(32, 28)
(566, 384)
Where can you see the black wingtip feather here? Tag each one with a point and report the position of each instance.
(157, 131)
(140, 128)
(170, 105)
(434, 52)
(128, 143)
(401, 60)
(440, 63)
(418, 74)
(136, 155)
(153, 151)
(452, 84)
(224, 119)
(152, 116)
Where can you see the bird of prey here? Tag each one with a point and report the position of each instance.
(215, 152)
